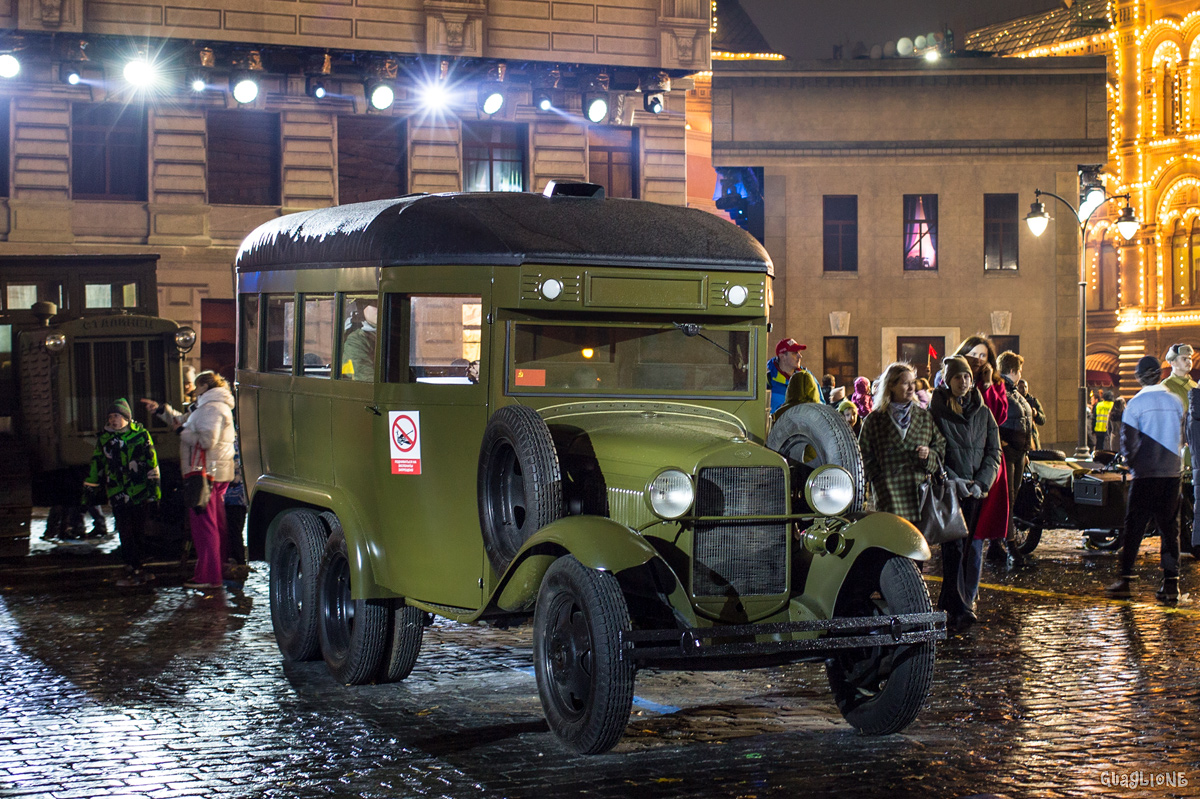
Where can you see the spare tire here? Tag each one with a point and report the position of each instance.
(826, 432)
(520, 483)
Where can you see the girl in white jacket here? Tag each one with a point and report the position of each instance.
(206, 439)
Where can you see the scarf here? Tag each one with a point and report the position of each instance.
(901, 415)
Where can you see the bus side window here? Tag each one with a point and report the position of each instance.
(248, 339)
(281, 333)
(444, 339)
(360, 319)
(318, 335)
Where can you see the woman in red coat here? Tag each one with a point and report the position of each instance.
(993, 514)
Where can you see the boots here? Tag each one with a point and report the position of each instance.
(1121, 589)
(995, 552)
(1169, 592)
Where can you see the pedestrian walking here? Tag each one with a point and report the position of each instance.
(781, 368)
(1039, 415)
(801, 389)
(1100, 416)
(900, 444)
(995, 510)
(124, 470)
(1180, 381)
(1115, 418)
(206, 441)
(1150, 442)
(972, 459)
(861, 396)
(849, 412)
(1016, 439)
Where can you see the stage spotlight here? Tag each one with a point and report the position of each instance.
(595, 98)
(197, 81)
(491, 97)
(434, 96)
(316, 88)
(380, 93)
(654, 87)
(139, 72)
(653, 102)
(542, 100)
(245, 89)
(9, 66)
(596, 108)
(69, 74)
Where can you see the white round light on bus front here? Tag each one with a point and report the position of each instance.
(55, 342)
(551, 289)
(185, 338)
(830, 490)
(736, 294)
(670, 494)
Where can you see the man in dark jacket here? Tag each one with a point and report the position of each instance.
(1035, 407)
(1016, 438)
(1150, 442)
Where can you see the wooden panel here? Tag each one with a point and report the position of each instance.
(193, 18)
(41, 150)
(571, 42)
(575, 12)
(326, 26)
(243, 158)
(517, 39)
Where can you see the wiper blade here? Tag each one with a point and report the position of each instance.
(691, 329)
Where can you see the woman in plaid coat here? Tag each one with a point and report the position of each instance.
(900, 443)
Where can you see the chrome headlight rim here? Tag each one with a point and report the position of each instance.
(55, 341)
(670, 493)
(185, 339)
(829, 490)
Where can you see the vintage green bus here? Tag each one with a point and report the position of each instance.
(76, 333)
(508, 407)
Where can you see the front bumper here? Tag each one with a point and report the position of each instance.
(853, 633)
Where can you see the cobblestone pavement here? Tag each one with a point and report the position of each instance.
(120, 693)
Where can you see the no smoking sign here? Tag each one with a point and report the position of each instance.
(404, 441)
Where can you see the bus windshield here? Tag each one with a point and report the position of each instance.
(647, 360)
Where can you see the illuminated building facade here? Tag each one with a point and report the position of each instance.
(1143, 296)
(143, 128)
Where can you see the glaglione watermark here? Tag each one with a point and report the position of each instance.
(1144, 779)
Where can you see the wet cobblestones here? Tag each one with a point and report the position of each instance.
(175, 693)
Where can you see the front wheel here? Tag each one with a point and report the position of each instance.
(586, 687)
(880, 690)
(1026, 536)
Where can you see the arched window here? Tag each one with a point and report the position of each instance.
(1181, 290)
(1107, 281)
(1170, 99)
(1194, 265)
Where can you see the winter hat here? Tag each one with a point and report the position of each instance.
(121, 407)
(847, 405)
(837, 394)
(1178, 350)
(1148, 370)
(954, 365)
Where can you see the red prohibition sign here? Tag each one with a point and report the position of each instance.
(404, 433)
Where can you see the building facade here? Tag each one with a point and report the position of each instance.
(180, 168)
(894, 197)
(1144, 294)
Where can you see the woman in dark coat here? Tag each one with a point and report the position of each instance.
(973, 462)
(899, 442)
(994, 513)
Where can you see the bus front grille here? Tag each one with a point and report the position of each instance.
(740, 558)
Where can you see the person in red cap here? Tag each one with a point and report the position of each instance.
(781, 368)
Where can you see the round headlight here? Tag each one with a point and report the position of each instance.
(830, 490)
(551, 289)
(185, 338)
(55, 341)
(670, 494)
(736, 295)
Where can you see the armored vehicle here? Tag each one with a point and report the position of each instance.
(550, 408)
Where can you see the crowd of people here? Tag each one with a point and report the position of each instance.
(978, 422)
(125, 473)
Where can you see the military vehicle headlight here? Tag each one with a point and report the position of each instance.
(185, 338)
(830, 490)
(736, 295)
(670, 494)
(55, 341)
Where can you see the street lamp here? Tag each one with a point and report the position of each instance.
(1128, 226)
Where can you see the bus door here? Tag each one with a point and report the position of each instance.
(432, 410)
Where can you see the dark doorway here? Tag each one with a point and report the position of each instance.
(925, 353)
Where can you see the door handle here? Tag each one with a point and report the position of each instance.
(373, 409)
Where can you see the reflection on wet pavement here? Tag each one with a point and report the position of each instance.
(172, 693)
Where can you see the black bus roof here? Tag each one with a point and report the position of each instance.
(501, 228)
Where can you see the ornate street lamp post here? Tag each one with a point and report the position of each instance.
(1128, 226)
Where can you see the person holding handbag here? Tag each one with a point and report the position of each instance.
(206, 444)
(900, 444)
(973, 462)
